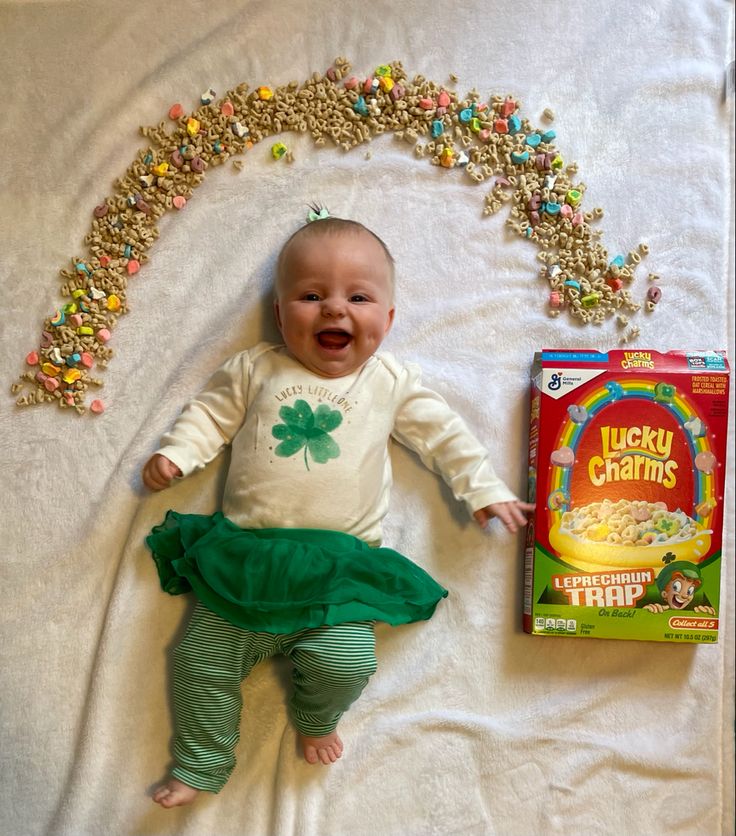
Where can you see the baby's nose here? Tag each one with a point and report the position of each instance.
(333, 306)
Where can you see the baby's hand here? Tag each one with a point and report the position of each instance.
(512, 514)
(158, 472)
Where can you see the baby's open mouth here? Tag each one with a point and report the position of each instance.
(333, 338)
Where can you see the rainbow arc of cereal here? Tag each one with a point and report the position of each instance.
(488, 140)
(598, 399)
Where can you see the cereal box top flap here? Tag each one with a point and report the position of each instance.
(634, 360)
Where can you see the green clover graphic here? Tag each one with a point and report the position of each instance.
(307, 429)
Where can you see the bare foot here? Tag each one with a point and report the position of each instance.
(326, 749)
(175, 794)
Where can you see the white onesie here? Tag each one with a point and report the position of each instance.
(313, 452)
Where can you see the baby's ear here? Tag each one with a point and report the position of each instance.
(277, 313)
(389, 320)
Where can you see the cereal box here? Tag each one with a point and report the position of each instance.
(626, 466)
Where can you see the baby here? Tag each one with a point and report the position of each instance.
(293, 564)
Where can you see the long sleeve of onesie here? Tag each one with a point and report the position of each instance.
(211, 419)
(426, 424)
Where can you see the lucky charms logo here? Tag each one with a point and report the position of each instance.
(634, 454)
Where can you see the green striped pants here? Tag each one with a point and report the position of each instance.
(332, 665)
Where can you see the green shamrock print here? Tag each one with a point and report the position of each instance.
(307, 429)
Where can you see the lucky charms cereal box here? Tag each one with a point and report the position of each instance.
(626, 466)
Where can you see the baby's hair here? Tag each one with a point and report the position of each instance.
(331, 226)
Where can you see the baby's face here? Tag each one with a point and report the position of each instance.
(334, 301)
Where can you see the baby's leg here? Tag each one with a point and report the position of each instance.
(209, 665)
(332, 666)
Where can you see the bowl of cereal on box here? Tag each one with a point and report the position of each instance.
(627, 534)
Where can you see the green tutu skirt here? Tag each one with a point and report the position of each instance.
(279, 580)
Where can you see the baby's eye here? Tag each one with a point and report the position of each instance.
(311, 297)
(358, 297)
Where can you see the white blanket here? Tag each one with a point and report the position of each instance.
(470, 726)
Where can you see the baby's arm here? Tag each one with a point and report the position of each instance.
(425, 423)
(203, 428)
(512, 514)
(158, 472)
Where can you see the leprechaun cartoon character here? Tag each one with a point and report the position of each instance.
(677, 583)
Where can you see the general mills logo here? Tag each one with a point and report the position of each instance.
(555, 382)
